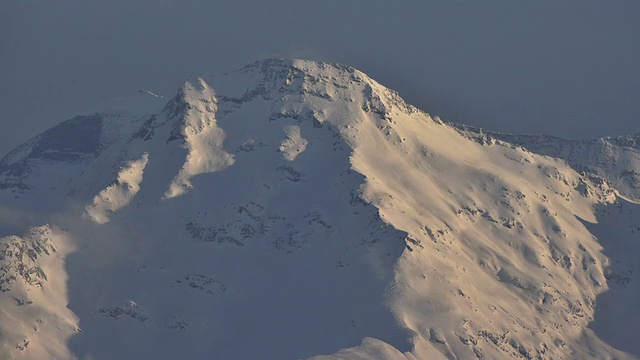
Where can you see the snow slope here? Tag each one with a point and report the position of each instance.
(297, 209)
(617, 159)
(35, 319)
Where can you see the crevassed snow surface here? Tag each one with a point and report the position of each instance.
(296, 209)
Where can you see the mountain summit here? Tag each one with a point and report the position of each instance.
(296, 209)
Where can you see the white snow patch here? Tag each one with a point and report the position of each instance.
(203, 139)
(120, 194)
(294, 144)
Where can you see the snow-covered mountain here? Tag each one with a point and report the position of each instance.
(297, 209)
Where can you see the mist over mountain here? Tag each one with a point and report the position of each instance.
(300, 210)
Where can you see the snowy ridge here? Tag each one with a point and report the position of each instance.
(202, 138)
(297, 209)
(120, 194)
(60, 164)
(617, 159)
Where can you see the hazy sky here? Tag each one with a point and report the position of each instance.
(562, 67)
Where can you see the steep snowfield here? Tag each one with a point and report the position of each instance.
(49, 169)
(296, 209)
(120, 194)
(35, 320)
(617, 319)
(617, 159)
(202, 138)
(294, 144)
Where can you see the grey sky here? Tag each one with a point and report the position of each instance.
(562, 67)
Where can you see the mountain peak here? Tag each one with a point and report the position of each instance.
(309, 66)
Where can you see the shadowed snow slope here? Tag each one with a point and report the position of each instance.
(297, 209)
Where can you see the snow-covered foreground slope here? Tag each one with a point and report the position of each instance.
(34, 296)
(296, 209)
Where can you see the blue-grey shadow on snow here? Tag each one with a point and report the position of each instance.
(617, 315)
(268, 259)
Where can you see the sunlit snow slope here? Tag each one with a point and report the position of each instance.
(296, 209)
(617, 159)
